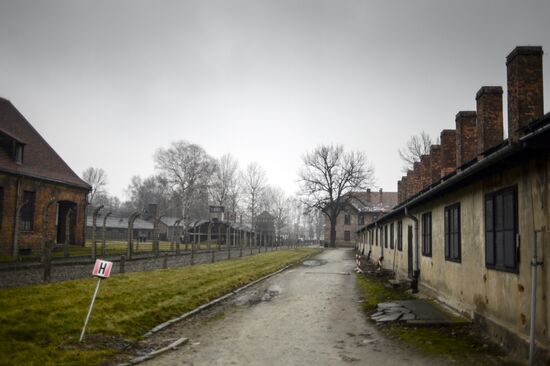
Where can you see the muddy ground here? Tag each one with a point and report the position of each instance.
(308, 315)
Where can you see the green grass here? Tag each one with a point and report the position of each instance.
(40, 325)
(374, 292)
(461, 342)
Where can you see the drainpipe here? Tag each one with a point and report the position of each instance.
(416, 271)
(534, 264)
(377, 236)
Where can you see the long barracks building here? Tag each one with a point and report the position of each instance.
(472, 211)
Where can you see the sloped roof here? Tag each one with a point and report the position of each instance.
(170, 220)
(40, 160)
(374, 201)
(115, 222)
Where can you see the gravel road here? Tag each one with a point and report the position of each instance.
(308, 315)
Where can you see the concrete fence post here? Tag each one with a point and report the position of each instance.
(228, 241)
(176, 231)
(46, 243)
(165, 261)
(104, 234)
(131, 220)
(94, 223)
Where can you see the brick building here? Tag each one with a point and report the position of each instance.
(472, 212)
(32, 175)
(362, 209)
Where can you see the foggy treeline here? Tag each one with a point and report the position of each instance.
(187, 180)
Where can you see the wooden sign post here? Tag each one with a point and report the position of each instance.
(102, 269)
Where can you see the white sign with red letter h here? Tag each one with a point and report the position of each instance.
(102, 268)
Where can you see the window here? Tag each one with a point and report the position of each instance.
(385, 236)
(376, 230)
(18, 153)
(427, 234)
(392, 244)
(501, 251)
(361, 220)
(347, 219)
(452, 233)
(27, 212)
(371, 237)
(347, 235)
(399, 235)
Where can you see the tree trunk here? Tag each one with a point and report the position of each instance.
(332, 233)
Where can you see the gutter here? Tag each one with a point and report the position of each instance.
(458, 177)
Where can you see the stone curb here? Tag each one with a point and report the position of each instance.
(171, 346)
(211, 303)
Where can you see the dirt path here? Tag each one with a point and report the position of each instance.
(303, 316)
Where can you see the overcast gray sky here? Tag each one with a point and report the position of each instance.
(108, 82)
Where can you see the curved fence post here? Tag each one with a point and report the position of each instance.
(176, 236)
(131, 220)
(15, 253)
(209, 235)
(46, 243)
(192, 260)
(104, 234)
(94, 222)
(228, 241)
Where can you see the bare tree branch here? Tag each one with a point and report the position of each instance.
(328, 178)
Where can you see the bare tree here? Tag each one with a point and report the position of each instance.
(417, 146)
(97, 178)
(225, 184)
(253, 182)
(328, 179)
(153, 189)
(187, 168)
(280, 209)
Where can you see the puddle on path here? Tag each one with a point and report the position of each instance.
(313, 263)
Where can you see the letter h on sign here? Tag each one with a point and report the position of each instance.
(102, 268)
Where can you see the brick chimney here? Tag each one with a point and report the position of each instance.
(489, 117)
(425, 174)
(448, 152)
(380, 196)
(408, 184)
(416, 178)
(525, 88)
(466, 137)
(368, 196)
(435, 163)
(399, 191)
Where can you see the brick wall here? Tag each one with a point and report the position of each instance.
(44, 191)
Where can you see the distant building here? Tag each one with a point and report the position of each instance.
(363, 208)
(265, 228)
(116, 229)
(31, 174)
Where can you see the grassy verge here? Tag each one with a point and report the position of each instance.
(40, 325)
(460, 342)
